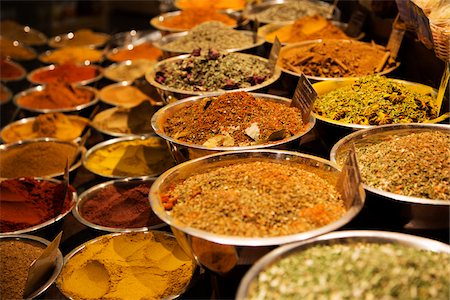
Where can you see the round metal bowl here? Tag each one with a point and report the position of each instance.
(183, 151)
(169, 94)
(221, 253)
(252, 11)
(44, 227)
(61, 40)
(126, 184)
(28, 122)
(168, 52)
(98, 70)
(107, 143)
(132, 37)
(99, 239)
(17, 66)
(339, 237)
(316, 78)
(76, 163)
(6, 94)
(225, 5)
(134, 101)
(44, 57)
(18, 45)
(22, 33)
(40, 88)
(43, 243)
(413, 211)
(127, 66)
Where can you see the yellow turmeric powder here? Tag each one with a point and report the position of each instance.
(72, 54)
(139, 265)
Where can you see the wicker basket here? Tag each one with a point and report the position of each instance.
(441, 40)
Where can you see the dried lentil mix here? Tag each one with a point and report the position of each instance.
(416, 165)
(355, 271)
(255, 199)
(376, 100)
(334, 58)
(213, 72)
(233, 119)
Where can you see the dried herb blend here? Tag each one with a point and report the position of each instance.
(255, 199)
(355, 271)
(233, 119)
(376, 100)
(213, 72)
(416, 165)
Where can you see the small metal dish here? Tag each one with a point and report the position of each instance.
(410, 211)
(125, 184)
(51, 278)
(17, 66)
(63, 40)
(22, 33)
(132, 37)
(45, 57)
(40, 88)
(169, 94)
(31, 53)
(6, 94)
(222, 253)
(339, 237)
(183, 151)
(104, 97)
(98, 70)
(128, 67)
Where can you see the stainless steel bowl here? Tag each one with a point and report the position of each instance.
(125, 184)
(61, 40)
(169, 94)
(10, 30)
(221, 253)
(8, 94)
(44, 243)
(43, 228)
(17, 66)
(183, 151)
(127, 65)
(18, 45)
(40, 88)
(132, 37)
(98, 69)
(415, 212)
(339, 237)
(43, 57)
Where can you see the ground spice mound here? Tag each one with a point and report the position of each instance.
(10, 71)
(10, 48)
(217, 4)
(72, 54)
(334, 58)
(141, 51)
(67, 72)
(233, 119)
(16, 258)
(415, 165)
(255, 199)
(80, 38)
(190, 18)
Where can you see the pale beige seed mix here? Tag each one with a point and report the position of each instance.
(255, 199)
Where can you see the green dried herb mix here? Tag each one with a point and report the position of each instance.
(356, 271)
(376, 100)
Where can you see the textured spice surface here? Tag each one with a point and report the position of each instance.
(8, 48)
(72, 54)
(213, 72)
(416, 165)
(128, 266)
(189, 18)
(217, 4)
(67, 72)
(128, 71)
(122, 95)
(255, 199)
(15, 31)
(356, 271)
(16, 258)
(10, 71)
(233, 119)
(376, 100)
(132, 52)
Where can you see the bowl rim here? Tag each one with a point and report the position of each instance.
(340, 237)
(32, 229)
(15, 65)
(51, 67)
(160, 114)
(20, 44)
(54, 43)
(149, 76)
(154, 198)
(57, 268)
(39, 88)
(111, 86)
(133, 181)
(8, 92)
(367, 133)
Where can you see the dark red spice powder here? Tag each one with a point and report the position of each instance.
(9, 71)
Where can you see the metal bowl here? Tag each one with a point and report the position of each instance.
(44, 57)
(107, 143)
(61, 40)
(44, 227)
(18, 45)
(221, 253)
(126, 184)
(76, 163)
(225, 6)
(127, 66)
(17, 66)
(132, 37)
(7, 94)
(44, 243)
(134, 101)
(413, 211)
(316, 78)
(161, 44)
(183, 151)
(28, 122)
(339, 237)
(98, 69)
(16, 31)
(53, 110)
(99, 239)
(169, 94)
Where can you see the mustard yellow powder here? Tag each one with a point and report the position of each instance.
(142, 265)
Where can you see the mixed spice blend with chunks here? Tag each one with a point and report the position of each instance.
(234, 119)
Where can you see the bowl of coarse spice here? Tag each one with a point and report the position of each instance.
(203, 125)
(361, 264)
(405, 171)
(231, 208)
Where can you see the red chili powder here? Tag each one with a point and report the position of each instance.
(67, 72)
(9, 71)
(27, 202)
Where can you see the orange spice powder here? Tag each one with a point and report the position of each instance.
(190, 18)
